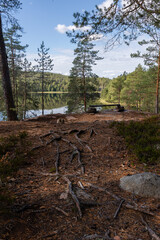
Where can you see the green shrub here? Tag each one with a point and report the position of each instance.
(142, 138)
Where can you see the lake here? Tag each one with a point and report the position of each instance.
(54, 103)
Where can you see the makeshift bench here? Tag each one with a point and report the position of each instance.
(92, 108)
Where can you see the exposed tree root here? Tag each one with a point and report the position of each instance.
(73, 195)
(151, 232)
(127, 205)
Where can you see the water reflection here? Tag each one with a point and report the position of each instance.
(54, 103)
(34, 113)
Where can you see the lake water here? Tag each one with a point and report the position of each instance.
(54, 103)
(34, 113)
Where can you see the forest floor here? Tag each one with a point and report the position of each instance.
(80, 200)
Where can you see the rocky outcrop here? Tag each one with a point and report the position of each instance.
(145, 184)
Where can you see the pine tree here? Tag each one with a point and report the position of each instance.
(44, 64)
(152, 58)
(15, 52)
(82, 81)
(115, 87)
(6, 7)
(26, 85)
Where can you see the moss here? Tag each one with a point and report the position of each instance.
(142, 138)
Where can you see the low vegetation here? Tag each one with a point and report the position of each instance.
(12, 156)
(12, 153)
(142, 138)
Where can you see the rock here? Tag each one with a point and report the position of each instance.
(145, 184)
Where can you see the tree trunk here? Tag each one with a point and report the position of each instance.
(157, 86)
(25, 93)
(84, 83)
(42, 92)
(10, 107)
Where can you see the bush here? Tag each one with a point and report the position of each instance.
(142, 138)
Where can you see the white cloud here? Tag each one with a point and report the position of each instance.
(105, 4)
(61, 28)
(96, 37)
(114, 63)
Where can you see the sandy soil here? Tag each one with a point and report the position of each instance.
(43, 208)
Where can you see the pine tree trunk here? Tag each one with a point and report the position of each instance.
(157, 87)
(84, 84)
(25, 93)
(42, 93)
(10, 107)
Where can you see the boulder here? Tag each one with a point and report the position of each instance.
(145, 184)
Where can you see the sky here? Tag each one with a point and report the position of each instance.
(48, 20)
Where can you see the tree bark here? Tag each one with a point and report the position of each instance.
(42, 92)
(157, 85)
(7, 89)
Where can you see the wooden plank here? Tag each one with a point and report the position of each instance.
(105, 105)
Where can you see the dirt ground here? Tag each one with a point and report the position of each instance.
(92, 158)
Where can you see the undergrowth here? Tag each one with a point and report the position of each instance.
(142, 138)
(12, 156)
(12, 153)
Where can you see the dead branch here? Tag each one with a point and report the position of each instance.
(64, 151)
(136, 208)
(118, 209)
(50, 209)
(72, 155)
(60, 210)
(81, 141)
(127, 205)
(92, 132)
(55, 174)
(104, 190)
(50, 235)
(43, 162)
(47, 134)
(81, 185)
(37, 147)
(72, 131)
(80, 163)
(76, 151)
(151, 232)
(73, 195)
(57, 137)
(94, 236)
(69, 142)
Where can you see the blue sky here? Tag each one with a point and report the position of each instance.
(47, 20)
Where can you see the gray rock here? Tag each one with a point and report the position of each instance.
(145, 184)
